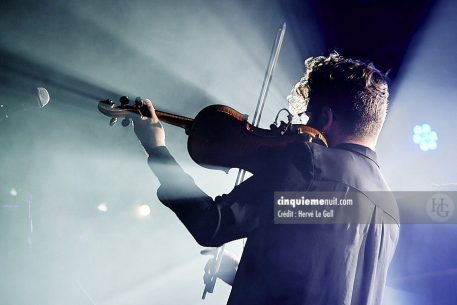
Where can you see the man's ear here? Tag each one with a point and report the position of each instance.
(328, 119)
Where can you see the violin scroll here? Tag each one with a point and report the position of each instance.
(127, 111)
(124, 111)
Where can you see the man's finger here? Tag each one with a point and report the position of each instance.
(148, 110)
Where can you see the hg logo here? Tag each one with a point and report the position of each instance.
(440, 207)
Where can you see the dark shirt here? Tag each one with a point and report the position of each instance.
(313, 264)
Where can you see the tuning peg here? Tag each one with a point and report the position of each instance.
(138, 102)
(112, 121)
(124, 100)
(107, 102)
(126, 122)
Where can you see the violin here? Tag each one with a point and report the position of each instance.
(220, 137)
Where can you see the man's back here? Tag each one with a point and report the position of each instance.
(318, 263)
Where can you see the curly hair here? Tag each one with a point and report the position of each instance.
(355, 90)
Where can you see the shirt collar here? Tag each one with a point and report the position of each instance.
(360, 149)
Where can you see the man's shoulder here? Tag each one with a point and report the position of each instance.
(350, 165)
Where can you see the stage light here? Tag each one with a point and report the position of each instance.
(144, 210)
(425, 137)
(102, 207)
(13, 192)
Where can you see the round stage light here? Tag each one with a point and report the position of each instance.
(425, 137)
(102, 207)
(13, 192)
(144, 210)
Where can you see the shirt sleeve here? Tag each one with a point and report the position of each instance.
(211, 222)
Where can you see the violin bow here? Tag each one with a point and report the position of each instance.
(274, 56)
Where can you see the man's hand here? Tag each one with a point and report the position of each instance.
(148, 128)
(227, 270)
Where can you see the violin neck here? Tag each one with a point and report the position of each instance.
(174, 119)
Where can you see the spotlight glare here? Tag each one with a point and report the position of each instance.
(102, 207)
(424, 146)
(417, 139)
(144, 210)
(426, 128)
(417, 129)
(13, 192)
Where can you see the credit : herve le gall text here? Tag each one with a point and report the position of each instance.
(305, 214)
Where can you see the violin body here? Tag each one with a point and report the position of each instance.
(221, 137)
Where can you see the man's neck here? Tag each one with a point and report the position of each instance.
(370, 143)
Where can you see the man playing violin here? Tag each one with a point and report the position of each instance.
(340, 263)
